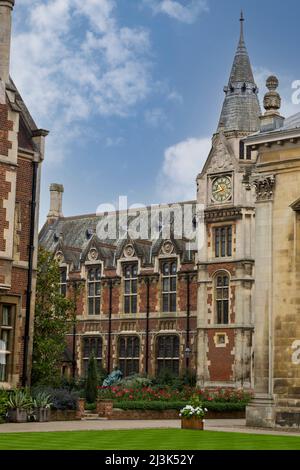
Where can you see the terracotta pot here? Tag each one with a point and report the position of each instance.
(192, 423)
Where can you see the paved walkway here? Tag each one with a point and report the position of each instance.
(222, 425)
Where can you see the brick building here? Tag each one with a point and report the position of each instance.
(138, 305)
(21, 154)
(147, 305)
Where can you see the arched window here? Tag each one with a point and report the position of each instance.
(94, 290)
(129, 355)
(167, 354)
(130, 288)
(169, 286)
(91, 346)
(222, 298)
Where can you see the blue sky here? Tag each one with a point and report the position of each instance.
(131, 90)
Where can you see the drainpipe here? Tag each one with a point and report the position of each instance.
(187, 358)
(26, 337)
(147, 325)
(109, 327)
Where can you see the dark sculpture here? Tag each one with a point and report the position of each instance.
(113, 378)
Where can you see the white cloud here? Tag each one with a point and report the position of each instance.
(72, 60)
(186, 12)
(182, 163)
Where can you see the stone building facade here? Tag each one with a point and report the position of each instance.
(147, 305)
(137, 305)
(21, 155)
(276, 177)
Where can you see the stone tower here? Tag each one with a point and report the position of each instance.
(226, 257)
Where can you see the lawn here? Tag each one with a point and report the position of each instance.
(147, 439)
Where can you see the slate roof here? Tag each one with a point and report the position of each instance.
(241, 109)
(75, 236)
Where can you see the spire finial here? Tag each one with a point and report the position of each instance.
(242, 41)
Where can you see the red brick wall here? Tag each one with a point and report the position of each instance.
(23, 197)
(221, 359)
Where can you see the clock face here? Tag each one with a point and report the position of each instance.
(222, 189)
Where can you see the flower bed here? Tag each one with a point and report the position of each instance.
(168, 394)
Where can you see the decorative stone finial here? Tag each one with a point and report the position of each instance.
(272, 99)
(271, 119)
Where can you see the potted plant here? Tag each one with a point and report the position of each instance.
(192, 415)
(41, 405)
(18, 404)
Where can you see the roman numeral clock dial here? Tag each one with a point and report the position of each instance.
(222, 189)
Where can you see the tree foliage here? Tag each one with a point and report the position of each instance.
(91, 381)
(51, 323)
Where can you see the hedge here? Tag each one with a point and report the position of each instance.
(177, 405)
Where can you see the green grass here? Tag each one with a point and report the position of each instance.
(146, 439)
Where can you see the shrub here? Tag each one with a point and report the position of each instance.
(19, 399)
(90, 406)
(3, 404)
(91, 381)
(136, 381)
(176, 405)
(61, 398)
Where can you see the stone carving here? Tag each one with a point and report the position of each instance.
(93, 254)
(265, 186)
(129, 251)
(272, 100)
(167, 248)
(59, 257)
(221, 160)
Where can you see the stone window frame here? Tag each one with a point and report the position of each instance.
(228, 237)
(85, 359)
(7, 354)
(129, 359)
(132, 280)
(173, 358)
(63, 280)
(216, 289)
(63, 266)
(170, 292)
(97, 295)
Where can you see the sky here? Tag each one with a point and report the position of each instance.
(131, 90)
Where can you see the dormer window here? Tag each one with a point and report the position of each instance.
(169, 286)
(63, 281)
(94, 290)
(130, 288)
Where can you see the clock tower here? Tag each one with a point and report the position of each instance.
(226, 252)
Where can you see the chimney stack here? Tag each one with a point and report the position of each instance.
(56, 194)
(6, 7)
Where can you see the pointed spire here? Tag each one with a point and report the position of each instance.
(241, 108)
